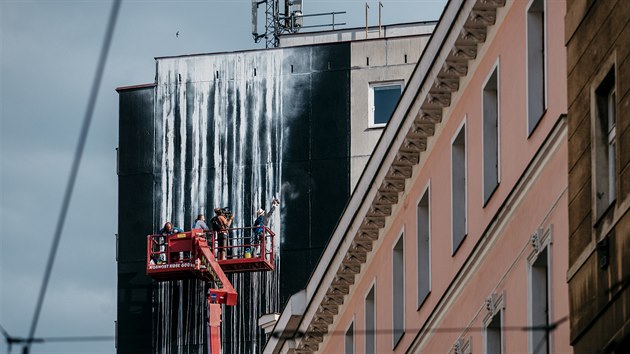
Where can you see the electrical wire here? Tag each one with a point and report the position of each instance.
(9, 339)
(77, 339)
(546, 328)
(4, 332)
(19, 340)
(87, 119)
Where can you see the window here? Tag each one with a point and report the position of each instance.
(539, 302)
(349, 339)
(370, 323)
(458, 188)
(398, 277)
(494, 334)
(493, 323)
(604, 144)
(424, 248)
(383, 100)
(490, 136)
(536, 104)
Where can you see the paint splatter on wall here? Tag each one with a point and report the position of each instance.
(235, 130)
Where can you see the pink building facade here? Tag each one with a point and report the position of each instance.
(455, 239)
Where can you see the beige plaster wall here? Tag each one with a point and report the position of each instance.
(386, 63)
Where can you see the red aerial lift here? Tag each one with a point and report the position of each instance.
(193, 255)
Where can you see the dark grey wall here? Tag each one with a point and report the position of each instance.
(316, 159)
(135, 207)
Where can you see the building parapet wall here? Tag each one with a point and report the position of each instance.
(355, 34)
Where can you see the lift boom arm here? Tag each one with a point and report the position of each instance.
(187, 255)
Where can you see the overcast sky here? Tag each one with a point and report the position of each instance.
(48, 56)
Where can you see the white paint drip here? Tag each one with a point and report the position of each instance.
(242, 105)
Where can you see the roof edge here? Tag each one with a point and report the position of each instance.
(135, 87)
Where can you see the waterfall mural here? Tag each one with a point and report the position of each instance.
(231, 130)
(222, 135)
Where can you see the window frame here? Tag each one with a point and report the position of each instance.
(400, 240)
(352, 336)
(600, 141)
(458, 131)
(541, 242)
(495, 306)
(611, 140)
(372, 290)
(500, 316)
(546, 252)
(425, 193)
(531, 126)
(371, 104)
(495, 70)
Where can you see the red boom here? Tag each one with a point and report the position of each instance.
(192, 255)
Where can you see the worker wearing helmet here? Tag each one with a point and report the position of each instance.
(262, 220)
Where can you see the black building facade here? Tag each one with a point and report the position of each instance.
(236, 130)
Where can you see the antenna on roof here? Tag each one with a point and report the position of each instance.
(291, 21)
(380, 7)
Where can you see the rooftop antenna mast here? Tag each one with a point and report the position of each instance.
(290, 21)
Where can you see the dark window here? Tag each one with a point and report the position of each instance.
(424, 248)
(605, 142)
(458, 189)
(540, 303)
(350, 339)
(490, 136)
(535, 63)
(398, 277)
(370, 323)
(494, 340)
(384, 100)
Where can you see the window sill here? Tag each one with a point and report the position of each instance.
(375, 127)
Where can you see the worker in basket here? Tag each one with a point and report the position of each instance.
(159, 243)
(262, 220)
(220, 223)
(200, 223)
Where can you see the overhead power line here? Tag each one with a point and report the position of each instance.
(540, 328)
(76, 339)
(87, 120)
(19, 340)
